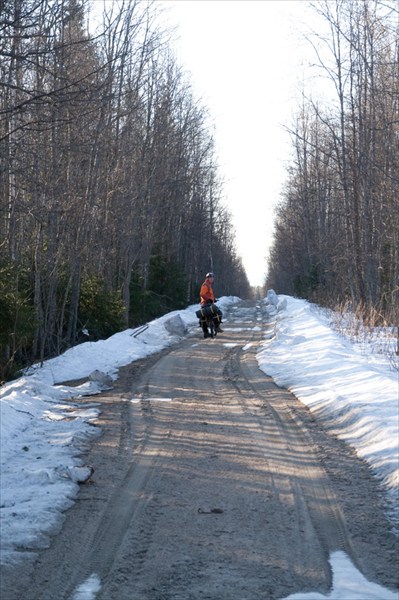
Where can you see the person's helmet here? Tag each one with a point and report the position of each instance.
(209, 275)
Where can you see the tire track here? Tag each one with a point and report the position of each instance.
(314, 490)
(127, 503)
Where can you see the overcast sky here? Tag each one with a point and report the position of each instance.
(246, 61)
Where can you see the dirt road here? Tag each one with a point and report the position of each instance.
(212, 483)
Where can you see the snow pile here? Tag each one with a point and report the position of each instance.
(88, 589)
(348, 584)
(353, 393)
(40, 467)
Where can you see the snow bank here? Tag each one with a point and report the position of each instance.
(355, 394)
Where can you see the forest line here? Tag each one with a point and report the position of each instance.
(111, 205)
(336, 238)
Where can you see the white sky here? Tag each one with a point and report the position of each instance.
(245, 59)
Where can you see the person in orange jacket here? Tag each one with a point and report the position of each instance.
(208, 297)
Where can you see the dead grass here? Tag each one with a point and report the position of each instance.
(375, 333)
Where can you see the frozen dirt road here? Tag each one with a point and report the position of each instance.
(212, 483)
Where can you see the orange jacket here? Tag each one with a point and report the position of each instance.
(206, 292)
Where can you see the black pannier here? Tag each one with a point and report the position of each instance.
(210, 310)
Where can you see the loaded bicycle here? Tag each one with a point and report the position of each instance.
(210, 317)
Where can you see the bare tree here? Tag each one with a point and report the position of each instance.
(342, 196)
